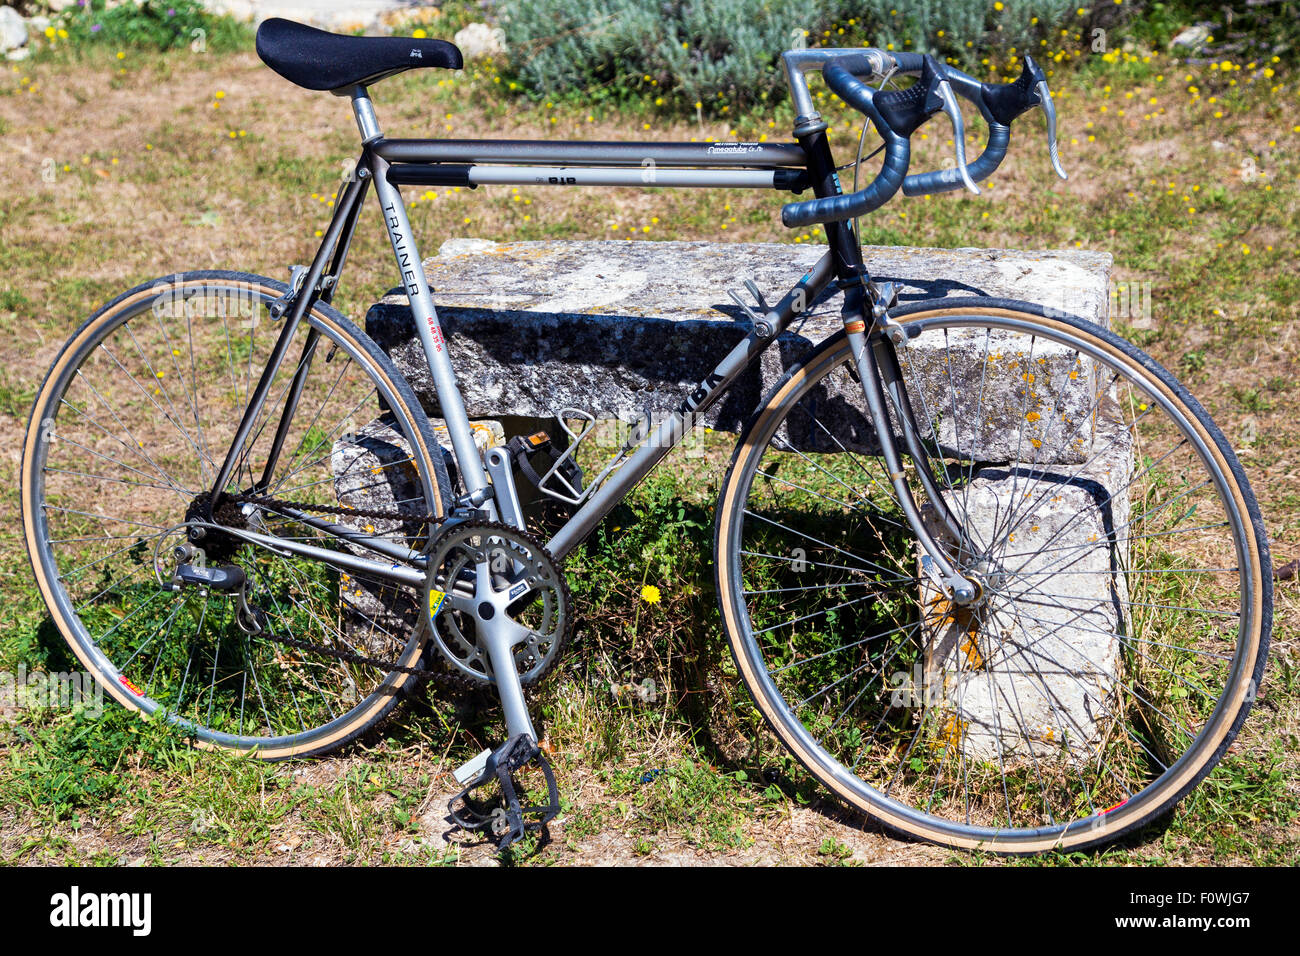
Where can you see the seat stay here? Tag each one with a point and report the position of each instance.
(337, 239)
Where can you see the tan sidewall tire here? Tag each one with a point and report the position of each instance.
(395, 683)
(829, 354)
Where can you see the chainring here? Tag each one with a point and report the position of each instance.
(517, 561)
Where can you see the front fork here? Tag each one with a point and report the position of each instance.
(879, 371)
(874, 357)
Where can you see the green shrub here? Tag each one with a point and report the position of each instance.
(727, 51)
(159, 24)
(1242, 29)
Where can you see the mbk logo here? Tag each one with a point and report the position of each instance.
(417, 55)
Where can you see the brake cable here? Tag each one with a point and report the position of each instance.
(862, 142)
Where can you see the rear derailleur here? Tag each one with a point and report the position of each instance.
(193, 571)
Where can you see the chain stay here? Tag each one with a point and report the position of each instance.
(427, 674)
(279, 504)
(430, 675)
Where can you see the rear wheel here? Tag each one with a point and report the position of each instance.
(1125, 587)
(126, 436)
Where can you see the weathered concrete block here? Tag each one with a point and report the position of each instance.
(987, 397)
(617, 328)
(1032, 671)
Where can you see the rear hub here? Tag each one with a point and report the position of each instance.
(200, 517)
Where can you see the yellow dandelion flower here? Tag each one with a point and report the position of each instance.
(650, 594)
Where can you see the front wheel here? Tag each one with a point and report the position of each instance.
(1124, 587)
(125, 440)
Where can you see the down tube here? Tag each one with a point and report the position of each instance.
(671, 430)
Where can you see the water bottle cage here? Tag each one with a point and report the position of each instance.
(523, 449)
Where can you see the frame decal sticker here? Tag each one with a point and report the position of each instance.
(436, 600)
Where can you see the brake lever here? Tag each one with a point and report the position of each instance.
(949, 99)
(1049, 113)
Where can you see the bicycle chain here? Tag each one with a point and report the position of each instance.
(380, 514)
(425, 674)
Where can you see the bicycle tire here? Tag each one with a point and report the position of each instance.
(138, 483)
(770, 671)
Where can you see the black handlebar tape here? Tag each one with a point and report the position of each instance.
(948, 180)
(909, 62)
(898, 153)
(1006, 101)
(863, 65)
(857, 64)
(841, 79)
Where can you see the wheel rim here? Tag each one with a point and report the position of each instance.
(166, 370)
(958, 807)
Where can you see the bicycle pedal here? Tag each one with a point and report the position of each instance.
(513, 821)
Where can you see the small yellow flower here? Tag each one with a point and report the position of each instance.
(419, 34)
(650, 594)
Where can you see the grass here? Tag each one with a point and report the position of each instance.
(183, 160)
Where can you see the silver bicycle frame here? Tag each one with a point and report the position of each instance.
(468, 163)
(392, 163)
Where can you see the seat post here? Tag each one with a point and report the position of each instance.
(364, 110)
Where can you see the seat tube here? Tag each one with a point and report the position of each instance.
(425, 316)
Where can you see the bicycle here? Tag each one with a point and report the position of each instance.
(990, 574)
